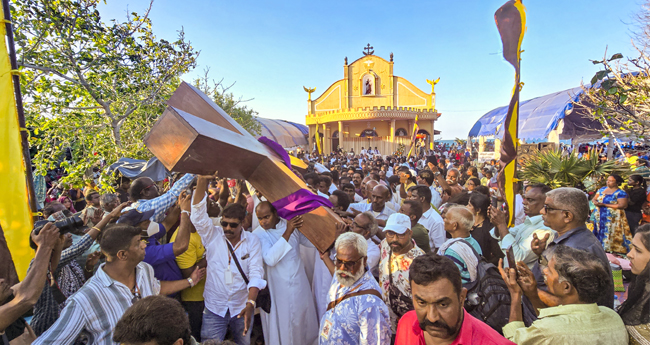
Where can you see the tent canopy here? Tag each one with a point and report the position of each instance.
(539, 116)
(134, 168)
(287, 134)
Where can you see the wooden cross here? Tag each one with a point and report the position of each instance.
(368, 50)
(194, 135)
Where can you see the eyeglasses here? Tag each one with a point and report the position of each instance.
(356, 225)
(227, 224)
(349, 265)
(394, 234)
(549, 208)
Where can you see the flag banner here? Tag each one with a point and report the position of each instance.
(15, 213)
(511, 22)
(413, 137)
(320, 151)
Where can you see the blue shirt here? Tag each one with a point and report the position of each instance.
(361, 319)
(581, 238)
(161, 257)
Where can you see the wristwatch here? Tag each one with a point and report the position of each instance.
(436, 174)
(189, 280)
(252, 302)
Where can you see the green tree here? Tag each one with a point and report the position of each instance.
(233, 106)
(90, 86)
(619, 96)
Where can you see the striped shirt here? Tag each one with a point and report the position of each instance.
(97, 307)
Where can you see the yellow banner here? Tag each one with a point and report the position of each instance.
(15, 214)
(320, 151)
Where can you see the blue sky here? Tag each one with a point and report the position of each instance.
(271, 49)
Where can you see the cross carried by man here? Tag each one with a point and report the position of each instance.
(194, 135)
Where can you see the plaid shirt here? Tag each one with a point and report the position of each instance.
(162, 203)
(46, 309)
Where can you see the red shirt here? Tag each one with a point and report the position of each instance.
(472, 332)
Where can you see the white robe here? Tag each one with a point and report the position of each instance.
(292, 320)
(321, 284)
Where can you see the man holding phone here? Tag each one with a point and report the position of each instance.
(518, 238)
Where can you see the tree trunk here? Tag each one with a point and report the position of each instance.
(115, 127)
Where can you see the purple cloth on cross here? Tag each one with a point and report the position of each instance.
(297, 203)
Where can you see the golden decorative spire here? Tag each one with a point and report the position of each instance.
(309, 92)
(433, 84)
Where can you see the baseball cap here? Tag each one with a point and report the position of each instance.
(398, 223)
(134, 217)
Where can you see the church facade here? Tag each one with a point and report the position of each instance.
(371, 107)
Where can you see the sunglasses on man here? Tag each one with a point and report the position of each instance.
(228, 224)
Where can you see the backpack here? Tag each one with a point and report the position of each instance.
(488, 297)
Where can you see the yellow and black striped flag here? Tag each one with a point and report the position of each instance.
(511, 22)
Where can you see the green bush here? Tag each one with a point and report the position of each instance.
(557, 169)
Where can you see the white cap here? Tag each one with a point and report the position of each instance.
(398, 223)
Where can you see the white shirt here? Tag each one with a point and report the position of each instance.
(373, 255)
(221, 297)
(436, 199)
(433, 222)
(331, 190)
(363, 207)
(357, 198)
(520, 215)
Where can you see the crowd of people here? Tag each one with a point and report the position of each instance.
(424, 254)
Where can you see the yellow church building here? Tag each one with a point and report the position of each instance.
(370, 107)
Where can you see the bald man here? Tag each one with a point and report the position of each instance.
(378, 198)
(458, 223)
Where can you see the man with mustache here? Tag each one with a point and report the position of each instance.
(356, 313)
(519, 237)
(397, 252)
(450, 185)
(439, 316)
(229, 298)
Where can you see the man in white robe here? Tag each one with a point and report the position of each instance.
(292, 320)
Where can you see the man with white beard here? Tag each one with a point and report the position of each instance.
(356, 313)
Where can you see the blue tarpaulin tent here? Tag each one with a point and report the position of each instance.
(539, 116)
(287, 134)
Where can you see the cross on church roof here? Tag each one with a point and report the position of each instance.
(368, 50)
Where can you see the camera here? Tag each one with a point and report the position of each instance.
(69, 224)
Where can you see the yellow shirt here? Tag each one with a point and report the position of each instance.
(188, 259)
(570, 324)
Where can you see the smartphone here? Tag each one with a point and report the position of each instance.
(494, 201)
(432, 159)
(511, 259)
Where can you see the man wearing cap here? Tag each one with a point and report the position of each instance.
(162, 257)
(397, 252)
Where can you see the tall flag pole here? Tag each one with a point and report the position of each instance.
(18, 204)
(511, 22)
(413, 137)
(320, 151)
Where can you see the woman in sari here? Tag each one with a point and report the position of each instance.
(610, 224)
(67, 202)
(635, 311)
